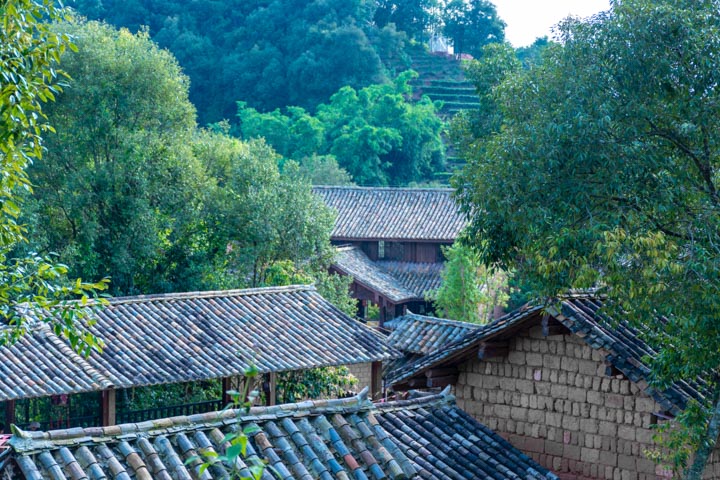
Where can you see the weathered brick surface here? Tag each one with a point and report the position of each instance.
(363, 372)
(550, 398)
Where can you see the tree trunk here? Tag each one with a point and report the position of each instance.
(703, 453)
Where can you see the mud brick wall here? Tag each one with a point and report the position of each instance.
(363, 372)
(551, 398)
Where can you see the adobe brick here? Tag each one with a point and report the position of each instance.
(559, 391)
(516, 358)
(569, 364)
(588, 425)
(645, 466)
(571, 452)
(608, 458)
(535, 445)
(587, 367)
(519, 414)
(595, 398)
(502, 411)
(553, 419)
(525, 386)
(570, 423)
(608, 429)
(626, 462)
(554, 448)
(577, 394)
(644, 435)
(550, 361)
(613, 400)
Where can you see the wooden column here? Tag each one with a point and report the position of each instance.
(107, 408)
(376, 380)
(271, 398)
(226, 386)
(9, 415)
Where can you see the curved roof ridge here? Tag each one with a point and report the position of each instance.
(441, 321)
(25, 440)
(244, 292)
(402, 189)
(442, 398)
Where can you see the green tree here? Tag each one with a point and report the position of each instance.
(532, 54)
(268, 53)
(255, 216)
(470, 291)
(604, 174)
(472, 24)
(118, 177)
(377, 134)
(470, 128)
(29, 54)
(413, 17)
(324, 170)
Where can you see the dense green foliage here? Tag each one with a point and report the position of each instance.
(472, 24)
(376, 134)
(604, 174)
(118, 175)
(267, 53)
(325, 382)
(130, 189)
(29, 52)
(470, 291)
(470, 128)
(414, 17)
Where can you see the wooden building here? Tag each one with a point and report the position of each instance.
(567, 385)
(182, 338)
(396, 235)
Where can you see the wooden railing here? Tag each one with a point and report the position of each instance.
(135, 416)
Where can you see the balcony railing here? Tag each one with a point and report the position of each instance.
(135, 416)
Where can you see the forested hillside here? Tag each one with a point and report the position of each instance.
(267, 53)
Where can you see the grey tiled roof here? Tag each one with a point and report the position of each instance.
(421, 278)
(42, 364)
(460, 347)
(625, 347)
(396, 281)
(367, 213)
(420, 334)
(622, 344)
(195, 336)
(427, 438)
(353, 262)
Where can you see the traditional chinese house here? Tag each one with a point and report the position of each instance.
(565, 384)
(181, 338)
(393, 239)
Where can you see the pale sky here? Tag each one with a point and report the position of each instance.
(528, 19)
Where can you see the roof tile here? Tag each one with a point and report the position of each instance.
(423, 438)
(185, 337)
(371, 213)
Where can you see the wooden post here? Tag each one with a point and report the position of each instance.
(9, 415)
(271, 395)
(107, 410)
(226, 386)
(376, 380)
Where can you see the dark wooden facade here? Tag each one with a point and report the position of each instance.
(400, 251)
